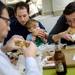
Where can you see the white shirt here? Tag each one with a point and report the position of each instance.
(33, 9)
(6, 68)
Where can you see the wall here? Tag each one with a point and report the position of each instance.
(54, 6)
(47, 21)
(59, 5)
(46, 7)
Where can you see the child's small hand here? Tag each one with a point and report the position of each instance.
(39, 32)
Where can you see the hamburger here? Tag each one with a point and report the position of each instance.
(14, 54)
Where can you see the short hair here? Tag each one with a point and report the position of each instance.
(2, 6)
(29, 24)
(21, 5)
(69, 9)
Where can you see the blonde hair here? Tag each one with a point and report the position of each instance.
(31, 23)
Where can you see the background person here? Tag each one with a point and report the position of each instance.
(62, 25)
(22, 16)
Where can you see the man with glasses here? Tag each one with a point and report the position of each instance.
(6, 19)
(66, 20)
(6, 68)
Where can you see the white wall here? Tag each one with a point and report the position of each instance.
(60, 4)
(48, 21)
(46, 6)
(13, 1)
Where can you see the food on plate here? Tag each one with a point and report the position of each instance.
(21, 44)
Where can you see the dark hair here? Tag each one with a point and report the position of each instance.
(2, 6)
(69, 9)
(21, 5)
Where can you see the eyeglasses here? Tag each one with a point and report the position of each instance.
(6, 19)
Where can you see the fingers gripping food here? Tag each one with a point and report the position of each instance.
(14, 54)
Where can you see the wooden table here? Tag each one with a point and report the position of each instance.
(69, 53)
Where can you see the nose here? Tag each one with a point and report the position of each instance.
(22, 18)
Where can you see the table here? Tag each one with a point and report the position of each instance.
(69, 53)
(70, 71)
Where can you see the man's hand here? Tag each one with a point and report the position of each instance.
(67, 37)
(31, 50)
(10, 45)
(63, 35)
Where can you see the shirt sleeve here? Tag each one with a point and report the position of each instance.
(6, 68)
(31, 66)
